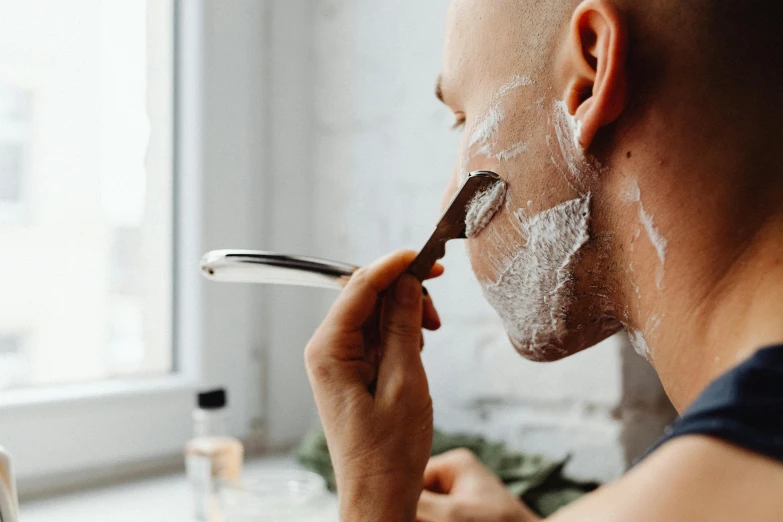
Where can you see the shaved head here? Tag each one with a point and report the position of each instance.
(739, 43)
(615, 123)
(725, 35)
(539, 24)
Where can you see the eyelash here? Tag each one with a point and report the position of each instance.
(459, 124)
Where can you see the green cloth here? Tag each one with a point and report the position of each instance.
(538, 481)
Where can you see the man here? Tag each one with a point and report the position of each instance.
(640, 146)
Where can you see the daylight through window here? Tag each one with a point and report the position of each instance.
(85, 190)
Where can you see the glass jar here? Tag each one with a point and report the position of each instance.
(276, 496)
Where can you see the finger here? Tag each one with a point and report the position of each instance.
(371, 349)
(362, 291)
(430, 317)
(401, 333)
(376, 278)
(442, 471)
(436, 271)
(358, 299)
(433, 507)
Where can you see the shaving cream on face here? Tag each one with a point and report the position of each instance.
(639, 343)
(482, 140)
(519, 80)
(533, 291)
(660, 243)
(485, 129)
(483, 208)
(512, 152)
(568, 131)
(533, 260)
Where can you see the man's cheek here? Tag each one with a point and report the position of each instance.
(477, 249)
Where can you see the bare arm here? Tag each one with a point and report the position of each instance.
(689, 479)
(373, 397)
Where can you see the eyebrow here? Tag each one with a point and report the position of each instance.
(439, 89)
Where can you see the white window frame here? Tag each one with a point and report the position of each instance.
(16, 212)
(64, 436)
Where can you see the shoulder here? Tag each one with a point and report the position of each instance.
(737, 407)
(691, 478)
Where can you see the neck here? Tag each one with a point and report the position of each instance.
(705, 285)
(710, 328)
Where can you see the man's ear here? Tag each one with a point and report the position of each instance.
(595, 68)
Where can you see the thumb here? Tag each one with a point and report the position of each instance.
(433, 507)
(401, 335)
(445, 470)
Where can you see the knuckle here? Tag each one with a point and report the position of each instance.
(434, 463)
(462, 456)
(407, 386)
(397, 392)
(315, 365)
(454, 511)
(404, 329)
(359, 275)
(362, 280)
(311, 355)
(321, 373)
(404, 253)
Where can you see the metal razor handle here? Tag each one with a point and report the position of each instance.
(451, 224)
(249, 266)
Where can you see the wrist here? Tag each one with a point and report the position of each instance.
(378, 500)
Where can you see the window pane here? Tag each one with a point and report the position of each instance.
(86, 193)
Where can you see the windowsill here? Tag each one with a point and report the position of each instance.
(101, 390)
(165, 498)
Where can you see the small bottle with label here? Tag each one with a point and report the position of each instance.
(211, 456)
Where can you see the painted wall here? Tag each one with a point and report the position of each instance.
(380, 153)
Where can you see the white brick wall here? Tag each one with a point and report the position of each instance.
(381, 156)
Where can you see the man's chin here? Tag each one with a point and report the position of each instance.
(537, 351)
(542, 352)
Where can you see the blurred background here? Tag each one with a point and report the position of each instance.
(136, 135)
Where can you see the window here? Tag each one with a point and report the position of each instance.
(13, 361)
(14, 138)
(135, 154)
(86, 199)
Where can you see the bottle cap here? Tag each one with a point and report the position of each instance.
(212, 400)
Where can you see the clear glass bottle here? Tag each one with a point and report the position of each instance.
(211, 456)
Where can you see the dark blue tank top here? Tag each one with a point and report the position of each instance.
(743, 407)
